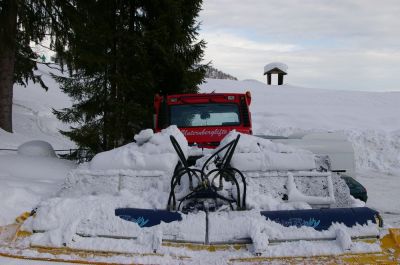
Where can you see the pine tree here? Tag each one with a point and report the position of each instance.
(22, 22)
(171, 29)
(119, 55)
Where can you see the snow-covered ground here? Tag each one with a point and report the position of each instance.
(369, 120)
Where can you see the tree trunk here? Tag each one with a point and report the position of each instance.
(8, 29)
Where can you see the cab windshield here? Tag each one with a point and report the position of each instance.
(212, 114)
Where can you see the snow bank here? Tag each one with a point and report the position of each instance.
(149, 152)
(36, 148)
(257, 154)
(25, 181)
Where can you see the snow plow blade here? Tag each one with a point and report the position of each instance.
(14, 243)
(186, 253)
(319, 219)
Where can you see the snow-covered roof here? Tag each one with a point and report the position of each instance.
(271, 66)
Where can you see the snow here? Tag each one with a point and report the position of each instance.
(87, 182)
(94, 216)
(234, 226)
(271, 66)
(368, 119)
(143, 136)
(32, 115)
(294, 195)
(344, 239)
(25, 181)
(257, 154)
(36, 148)
(150, 152)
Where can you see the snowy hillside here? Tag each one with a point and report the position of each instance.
(369, 119)
(32, 115)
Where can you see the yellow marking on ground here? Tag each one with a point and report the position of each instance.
(84, 253)
(210, 248)
(79, 256)
(13, 256)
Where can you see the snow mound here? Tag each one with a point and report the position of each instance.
(150, 152)
(257, 154)
(26, 180)
(143, 136)
(36, 148)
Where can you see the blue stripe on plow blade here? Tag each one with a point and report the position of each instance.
(322, 219)
(319, 219)
(147, 217)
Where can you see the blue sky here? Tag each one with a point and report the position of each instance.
(334, 44)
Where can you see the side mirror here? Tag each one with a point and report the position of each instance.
(248, 98)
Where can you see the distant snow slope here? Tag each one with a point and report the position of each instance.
(369, 119)
(32, 115)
